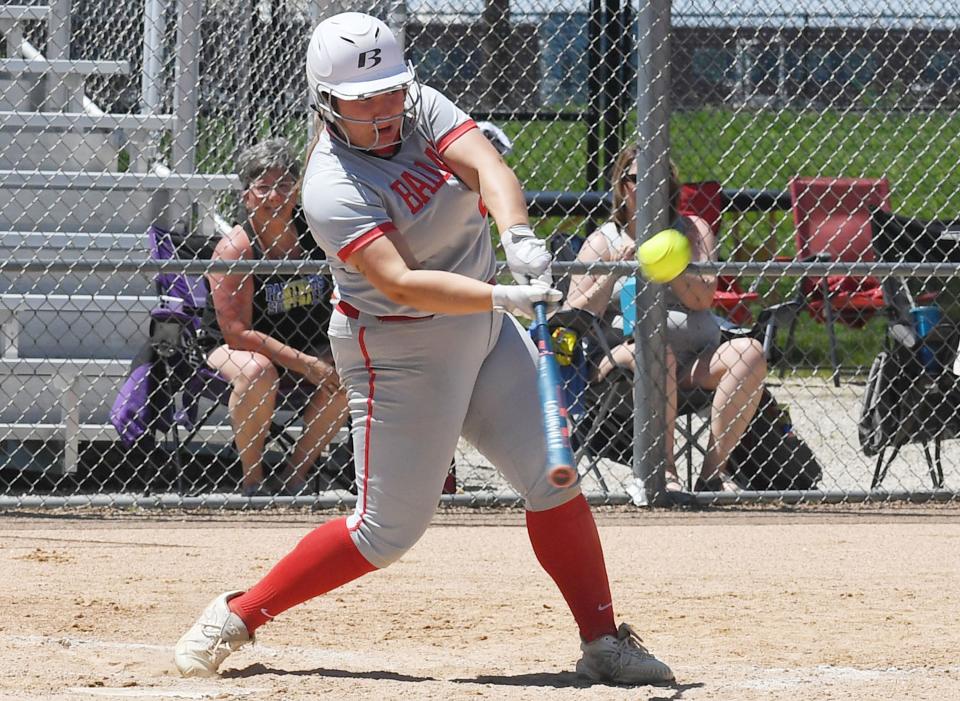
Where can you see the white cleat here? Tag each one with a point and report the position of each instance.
(217, 633)
(621, 659)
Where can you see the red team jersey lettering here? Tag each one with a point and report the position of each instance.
(416, 189)
(409, 197)
(438, 175)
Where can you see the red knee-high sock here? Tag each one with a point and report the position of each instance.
(567, 544)
(325, 559)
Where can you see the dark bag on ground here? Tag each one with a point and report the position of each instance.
(770, 456)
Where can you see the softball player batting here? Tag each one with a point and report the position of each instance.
(396, 190)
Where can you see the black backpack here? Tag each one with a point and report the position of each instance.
(770, 455)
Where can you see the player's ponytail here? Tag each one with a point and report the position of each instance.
(318, 125)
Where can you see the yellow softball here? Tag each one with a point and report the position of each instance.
(664, 256)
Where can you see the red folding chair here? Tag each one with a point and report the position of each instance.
(832, 223)
(705, 200)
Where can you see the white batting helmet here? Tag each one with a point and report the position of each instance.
(353, 56)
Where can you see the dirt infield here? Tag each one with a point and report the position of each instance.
(812, 604)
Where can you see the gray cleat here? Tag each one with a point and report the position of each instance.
(216, 634)
(621, 659)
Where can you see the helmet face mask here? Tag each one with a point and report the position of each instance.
(330, 107)
(351, 57)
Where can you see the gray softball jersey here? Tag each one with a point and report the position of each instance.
(351, 198)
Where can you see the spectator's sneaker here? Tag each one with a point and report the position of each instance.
(637, 492)
(217, 633)
(260, 489)
(293, 486)
(621, 659)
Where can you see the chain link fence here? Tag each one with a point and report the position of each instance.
(815, 157)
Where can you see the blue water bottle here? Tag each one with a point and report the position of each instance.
(628, 304)
(924, 319)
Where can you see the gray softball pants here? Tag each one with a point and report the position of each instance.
(415, 387)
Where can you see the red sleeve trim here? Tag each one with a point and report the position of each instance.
(444, 142)
(365, 239)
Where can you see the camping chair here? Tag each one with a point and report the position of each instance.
(832, 223)
(705, 200)
(913, 391)
(601, 411)
(911, 398)
(170, 377)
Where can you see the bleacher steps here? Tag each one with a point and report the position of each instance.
(88, 326)
(83, 121)
(23, 13)
(63, 67)
(80, 180)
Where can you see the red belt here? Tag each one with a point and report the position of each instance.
(354, 313)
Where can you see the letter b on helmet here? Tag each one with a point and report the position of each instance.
(369, 59)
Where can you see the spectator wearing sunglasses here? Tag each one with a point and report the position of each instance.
(696, 357)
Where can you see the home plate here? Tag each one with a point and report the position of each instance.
(135, 692)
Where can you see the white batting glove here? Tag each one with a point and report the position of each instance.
(527, 256)
(519, 299)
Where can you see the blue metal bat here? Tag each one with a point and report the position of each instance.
(561, 471)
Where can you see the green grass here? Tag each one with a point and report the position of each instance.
(918, 152)
(856, 347)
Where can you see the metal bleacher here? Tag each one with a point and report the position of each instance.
(80, 184)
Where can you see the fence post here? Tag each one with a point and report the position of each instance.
(247, 115)
(314, 12)
(151, 80)
(397, 21)
(497, 54)
(58, 47)
(595, 68)
(613, 62)
(186, 99)
(653, 173)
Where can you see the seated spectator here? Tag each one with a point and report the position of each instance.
(265, 330)
(734, 370)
